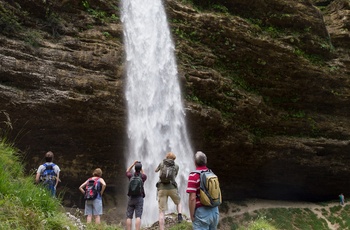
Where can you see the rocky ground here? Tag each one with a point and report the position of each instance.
(249, 206)
(234, 210)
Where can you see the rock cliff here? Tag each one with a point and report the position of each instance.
(266, 87)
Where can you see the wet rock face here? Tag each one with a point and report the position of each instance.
(266, 95)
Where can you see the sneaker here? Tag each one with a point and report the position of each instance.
(179, 218)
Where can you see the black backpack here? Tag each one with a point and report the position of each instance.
(92, 189)
(136, 185)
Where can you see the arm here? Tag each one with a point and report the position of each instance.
(192, 204)
(102, 181)
(133, 164)
(38, 174)
(82, 186)
(37, 178)
(158, 168)
(57, 179)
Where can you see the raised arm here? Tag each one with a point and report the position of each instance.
(131, 166)
(158, 168)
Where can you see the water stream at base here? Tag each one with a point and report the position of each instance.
(156, 117)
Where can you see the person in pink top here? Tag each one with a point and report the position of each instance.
(202, 217)
(94, 207)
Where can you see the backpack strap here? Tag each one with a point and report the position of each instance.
(139, 175)
(95, 180)
(143, 189)
(201, 171)
(97, 183)
(46, 164)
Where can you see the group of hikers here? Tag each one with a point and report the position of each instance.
(203, 201)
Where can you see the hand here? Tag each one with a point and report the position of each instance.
(192, 218)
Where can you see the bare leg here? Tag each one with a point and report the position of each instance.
(179, 215)
(161, 220)
(128, 224)
(179, 208)
(97, 219)
(88, 219)
(138, 223)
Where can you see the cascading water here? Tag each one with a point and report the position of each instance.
(156, 123)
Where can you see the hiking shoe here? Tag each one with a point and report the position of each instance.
(179, 218)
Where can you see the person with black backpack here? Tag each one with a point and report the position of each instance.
(136, 194)
(48, 174)
(203, 199)
(93, 189)
(167, 187)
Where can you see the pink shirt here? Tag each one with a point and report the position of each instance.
(194, 184)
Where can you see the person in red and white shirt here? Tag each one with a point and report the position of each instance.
(202, 217)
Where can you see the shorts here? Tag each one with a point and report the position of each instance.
(135, 204)
(206, 218)
(163, 198)
(93, 207)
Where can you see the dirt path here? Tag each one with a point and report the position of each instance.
(256, 204)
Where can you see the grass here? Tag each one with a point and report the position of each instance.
(182, 226)
(24, 205)
(9, 22)
(291, 219)
(259, 224)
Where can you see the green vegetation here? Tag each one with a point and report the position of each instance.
(220, 8)
(339, 215)
(53, 22)
(259, 224)
(24, 205)
(291, 219)
(9, 22)
(315, 59)
(101, 16)
(182, 226)
(33, 38)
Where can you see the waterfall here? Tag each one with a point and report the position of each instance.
(156, 117)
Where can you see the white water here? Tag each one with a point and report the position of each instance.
(156, 123)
